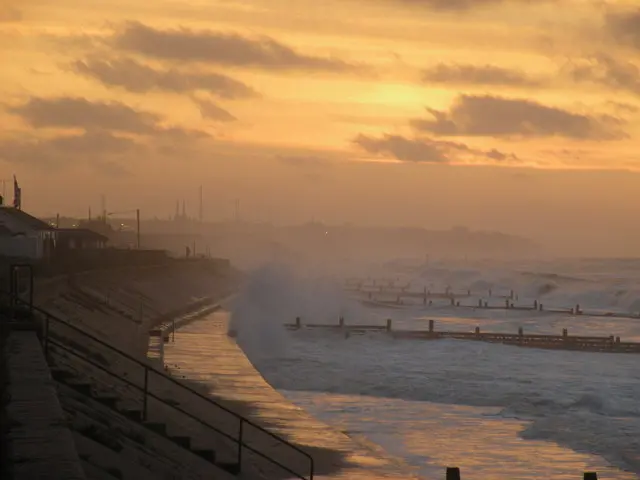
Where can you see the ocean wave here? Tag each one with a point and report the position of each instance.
(585, 401)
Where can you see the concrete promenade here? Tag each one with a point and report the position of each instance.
(203, 352)
(42, 446)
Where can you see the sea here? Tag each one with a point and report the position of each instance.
(495, 411)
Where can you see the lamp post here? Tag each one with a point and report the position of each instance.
(137, 212)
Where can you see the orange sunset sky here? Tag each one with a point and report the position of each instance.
(517, 115)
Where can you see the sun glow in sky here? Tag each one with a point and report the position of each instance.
(275, 100)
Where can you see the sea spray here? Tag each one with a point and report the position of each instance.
(276, 294)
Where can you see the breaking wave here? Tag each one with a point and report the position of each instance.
(587, 402)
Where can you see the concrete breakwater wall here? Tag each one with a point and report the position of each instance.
(61, 433)
(122, 305)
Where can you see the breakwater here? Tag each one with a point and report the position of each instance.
(381, 294)
(558, 342)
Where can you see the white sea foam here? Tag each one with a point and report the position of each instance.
(584, 401)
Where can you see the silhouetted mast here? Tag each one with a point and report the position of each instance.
(103, 202)
(200, 207)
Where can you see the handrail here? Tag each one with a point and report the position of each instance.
(175, 407)
(45, 340)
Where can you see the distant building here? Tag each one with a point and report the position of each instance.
(79, 238)
(25, 236)
(99, 225)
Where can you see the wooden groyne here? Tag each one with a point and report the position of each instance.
(394, 297)
(554, 342)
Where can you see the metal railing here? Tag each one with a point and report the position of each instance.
(47, 341)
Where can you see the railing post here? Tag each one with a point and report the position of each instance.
(146, 389)
(240, 435)
(31, 289)
(45, 335)
(452, 473)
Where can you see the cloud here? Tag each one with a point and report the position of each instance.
(624, 27)
(477, 75)
(457, 5)
(99, 148)
(212, 111)
(605, 70)
(9, 14)
(427, 150)
(304, 161)
(220, 48)
(401, 148)
(76, 112)
(139, 78)
(496, 117)
(92, 142)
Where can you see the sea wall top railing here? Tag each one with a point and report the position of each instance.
(21, 308)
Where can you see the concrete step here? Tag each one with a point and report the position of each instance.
(232, 467)
(160, 428)
(81, 387)
(182, 441)
(61, 374)
(108, 400)
(208, 455)
(135, 415)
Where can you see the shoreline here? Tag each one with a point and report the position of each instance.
(229, 376)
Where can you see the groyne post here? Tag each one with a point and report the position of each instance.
(506, 304)
(298, 322)
(453, 473)
(388, 324)
(431, 326)
(541, 307)
(565, 334)
(578, 311)
(452, 302)
(477, 332)
(480, 303)
(520, 332)
(535, 304)
(341, 322)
